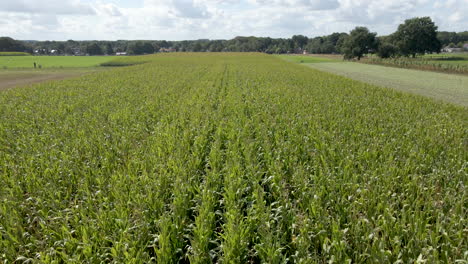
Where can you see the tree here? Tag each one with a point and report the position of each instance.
(300, 41)
(340, 42)
(9, 44)
(60, 48)
(216, 46)
(94, 49)
(109, 49)
(147, 48)
(140, 47)
(417, 36)
(197, 47)
(386, 50)
(446, 38)
(359, 42)
(315, 45)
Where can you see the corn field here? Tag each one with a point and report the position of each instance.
(427, 64)
(229, 158)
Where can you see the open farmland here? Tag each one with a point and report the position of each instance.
(310, 58)
(13, 53)
(441, 86)
(447, 63)
(14, 62)
(20, 71)
(15, 78)
(232, 158)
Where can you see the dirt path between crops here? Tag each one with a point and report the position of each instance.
(15, 78)
(20, 78)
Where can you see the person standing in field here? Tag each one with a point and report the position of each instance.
(34, 65)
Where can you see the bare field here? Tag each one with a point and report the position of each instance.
(15, 78)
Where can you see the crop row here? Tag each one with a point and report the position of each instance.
(422, 64)
(232, 158)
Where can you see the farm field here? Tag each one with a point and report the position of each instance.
(19, 70)
(447, 56)
(14, 62)
(307, 58)
(13, 53)
(232, 158)
(445, 62)
(447, 87)
(14, 78)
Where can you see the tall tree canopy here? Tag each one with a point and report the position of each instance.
(9, 44)
(94, 49)
(359, 42)
(417, 36)
(140, 47)
(300, 41)
(446, 38)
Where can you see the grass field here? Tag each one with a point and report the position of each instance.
(14, 62)
(441, 86)
(306, 58)
(19, 70)
(444, 62)
(13, 53)
(232, 158)
(460, 59)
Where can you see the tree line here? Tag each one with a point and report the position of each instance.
(415, 36)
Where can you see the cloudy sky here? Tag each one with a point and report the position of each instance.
(215, 19)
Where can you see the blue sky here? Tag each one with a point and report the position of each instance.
(216, 19)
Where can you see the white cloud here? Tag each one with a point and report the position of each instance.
(66, 7)
(306, 4)
(108, 9)
(216, 19)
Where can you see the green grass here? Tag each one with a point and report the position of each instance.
(13, 53)
(448, 63)
(125, 61)
(463, 55)
(233, 158)
(460, 59)
(441, 86)
(306, 58)
(14, 62)
(452, 61)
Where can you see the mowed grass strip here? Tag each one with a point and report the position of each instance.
(232, 158)
(455, 63)
(308, 58)
(440, 86)
(14, 62)
(13, 53)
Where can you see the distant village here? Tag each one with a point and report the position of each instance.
(81, 52)
(446, 42)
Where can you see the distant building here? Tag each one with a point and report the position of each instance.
(167, 50)
(41, 51)
(121, 53)
(465, 46)
(451, 50)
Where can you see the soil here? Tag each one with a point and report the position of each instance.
(14, 79)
